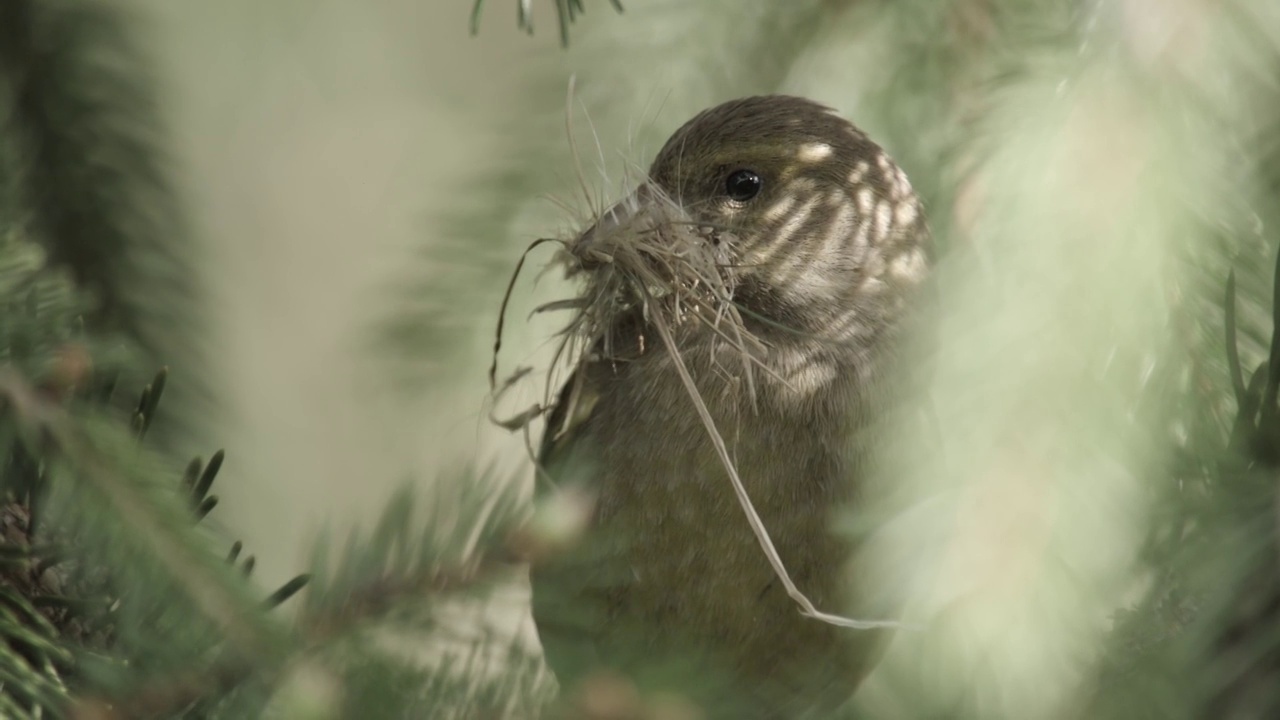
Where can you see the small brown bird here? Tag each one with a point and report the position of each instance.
(770, 261)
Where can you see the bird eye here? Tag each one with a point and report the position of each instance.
(742, 185)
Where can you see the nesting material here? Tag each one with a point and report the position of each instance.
(646, 256)
(643, 256)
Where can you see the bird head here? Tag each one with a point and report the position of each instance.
(776, 206)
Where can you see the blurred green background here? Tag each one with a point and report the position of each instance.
(363, 176)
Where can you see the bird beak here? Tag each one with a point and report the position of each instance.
(593, 246)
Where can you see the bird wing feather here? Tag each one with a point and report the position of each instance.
(570, 415)
(568, 633)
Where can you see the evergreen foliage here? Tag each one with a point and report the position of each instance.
(91, 183)
(116, 602)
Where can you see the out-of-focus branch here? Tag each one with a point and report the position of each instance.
(567, 11)
(54, 431)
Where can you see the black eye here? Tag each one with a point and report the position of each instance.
(742, 185)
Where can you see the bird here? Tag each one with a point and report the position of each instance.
(771, 261)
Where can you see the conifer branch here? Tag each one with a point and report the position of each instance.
(49, 428)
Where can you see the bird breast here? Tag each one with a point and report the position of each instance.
(662, 485)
